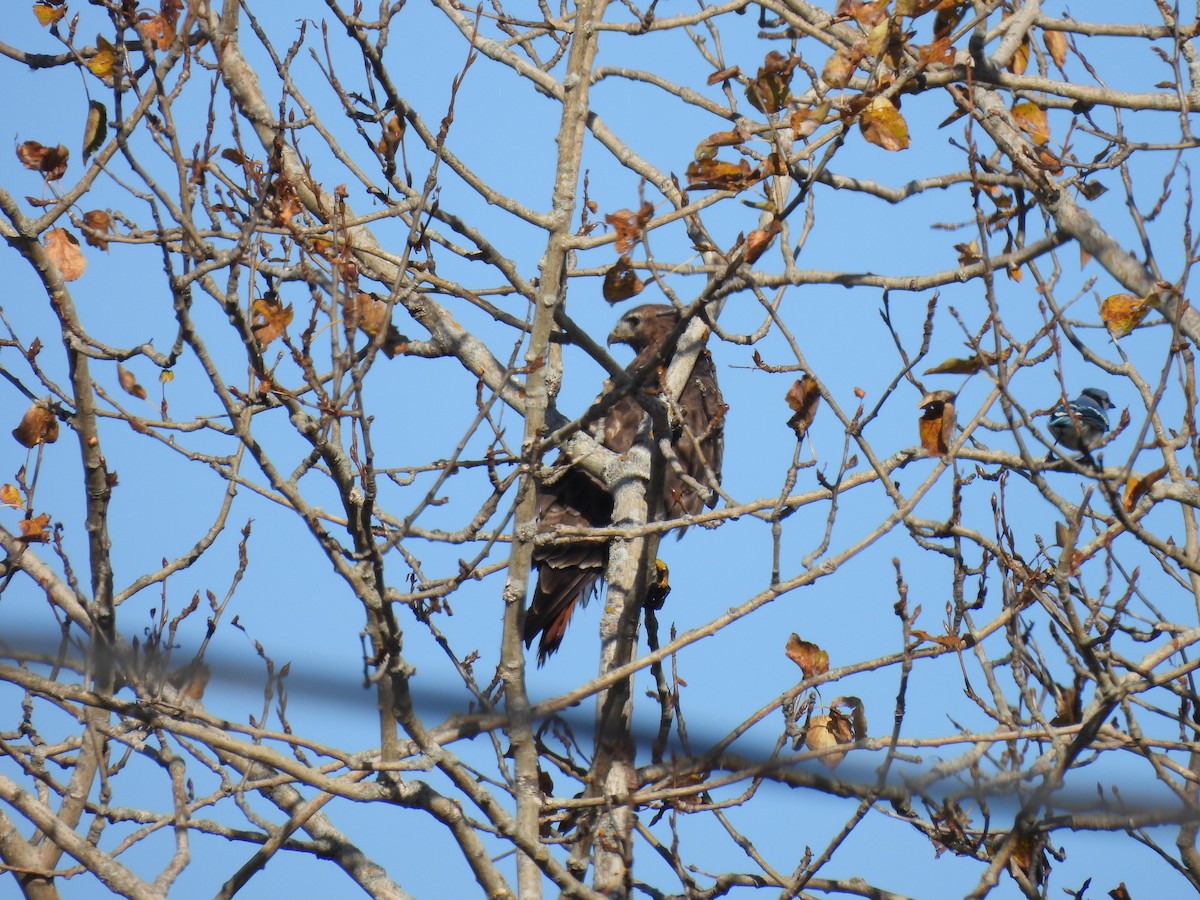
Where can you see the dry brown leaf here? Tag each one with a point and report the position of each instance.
(811, 659)
(1121, 313)
(723, 75)
(621, 282)
(271, 318)
(39, 425)
(49, 12)
(770, 91)
(760, 239)
(10, 496)
(968, 365)
(95, 128)
(629, 225)
(707, 148)
(129, 383)
(1020, 60)
(1031, 119)
(157, 29)
(100, 221)
(1136, 488)
(370, 313)
(101, 65)
(839, 68)
(882, 125)
(819, 736)
(803, 397)
(807, 120)
(1056, 46)
(63, 250)
(50, 161)
(1120, 892)
(936, 427)
(717, 175)
(35, 530)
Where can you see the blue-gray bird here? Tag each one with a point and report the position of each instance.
(1080, 424)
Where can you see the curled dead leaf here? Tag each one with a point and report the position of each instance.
(882, 125)
(35, 530)
(770, 91)
(718, 175)
(1056, 46)
(100, 221)
(621, 282)
(63, 249)
(39, 425)
(389, 141)
(271, 318)
(803, 397)
(49, 12)
(1031, 119)
(129, 383)
(760, 239)
(1121, 313)
(1136, 487)
(369, 313)
(968, 365)
(50, 161)
(629, 225)
(10, 496)
(811, 659)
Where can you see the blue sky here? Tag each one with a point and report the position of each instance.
(505, 132)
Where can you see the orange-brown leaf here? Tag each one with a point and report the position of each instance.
(807, 120)
(760, 239)
(839, 68)
(39, 425)
(10, 496)
(63, 249)
(811, 659)
(50, 161)
(271, 318)
(129, 383)
(1020, 60)
(158, 30)
(629, 225)
(1136, 488)
(621, 282)
(1121, 313)
(49, 12)
(770, 91)
(370, 314)
(1056, 46)
(707, 148)
(714, 174)
(101, 65)
(803, 397)
(100, 221)
(35, 530)
(1031, 119)
(882, 125)
(724, 75)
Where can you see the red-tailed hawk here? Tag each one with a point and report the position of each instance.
(568, 571)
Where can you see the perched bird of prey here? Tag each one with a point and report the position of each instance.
(1080, 424)
(569, 570)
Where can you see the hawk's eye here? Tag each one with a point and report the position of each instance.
(632, 320)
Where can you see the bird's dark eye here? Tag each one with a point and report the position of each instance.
(633, 320)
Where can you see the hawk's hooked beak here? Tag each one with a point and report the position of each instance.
(621, 334)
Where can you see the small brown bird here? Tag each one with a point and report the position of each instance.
(936, 427)
(570, 570)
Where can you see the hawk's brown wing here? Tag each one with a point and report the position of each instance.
(570, 569)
